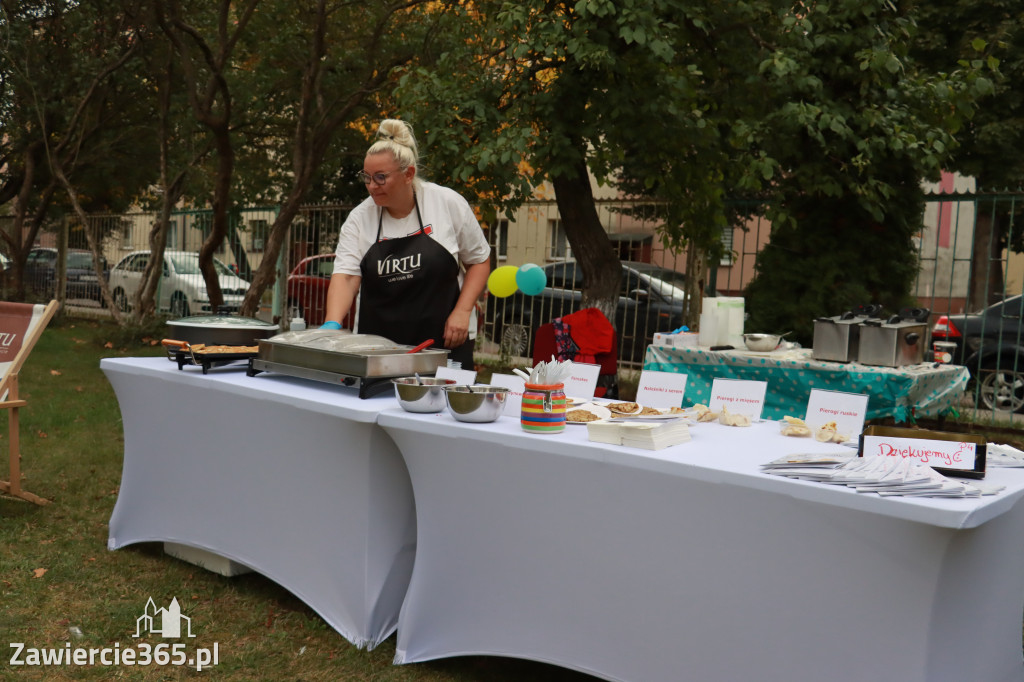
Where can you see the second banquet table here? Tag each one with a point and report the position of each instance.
(924, 390)
(689, 563)
(289, 477)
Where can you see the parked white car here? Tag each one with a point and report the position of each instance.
(182, 291)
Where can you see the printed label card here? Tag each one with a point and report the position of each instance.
(462, 377)
(847, 410)
(661, 389)
(582, 380)
(515, 385)
(739, 396)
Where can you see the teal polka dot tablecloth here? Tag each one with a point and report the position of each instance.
(900, 392)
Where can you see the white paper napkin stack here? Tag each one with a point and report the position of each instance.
(886, 476)
(998, 455)
(646, 435)
(604, 431)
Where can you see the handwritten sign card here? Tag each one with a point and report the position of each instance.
(847, 410)
(515, 385)
(739, 396)
(582, 382)
(954, 454)
(661, 389)
(463, 377)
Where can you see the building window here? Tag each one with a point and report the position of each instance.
(558, 245)
(172, 235)
(726, 246)
(259, 229)
(499, 238)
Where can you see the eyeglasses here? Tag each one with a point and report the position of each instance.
(377, 178)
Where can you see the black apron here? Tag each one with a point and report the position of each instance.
(409, 288)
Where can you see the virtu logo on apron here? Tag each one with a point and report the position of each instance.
(398, 268)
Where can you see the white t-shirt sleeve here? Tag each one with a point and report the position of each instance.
(472, 242)
(354, 240)
(454, 223)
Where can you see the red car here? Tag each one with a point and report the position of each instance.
(307, 290)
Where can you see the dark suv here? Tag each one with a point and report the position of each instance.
(651, 300)
(82, 280)
(991, 345)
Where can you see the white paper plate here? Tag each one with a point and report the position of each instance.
(665, 414)
(597, 410)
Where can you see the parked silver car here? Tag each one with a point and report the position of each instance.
(182, 290)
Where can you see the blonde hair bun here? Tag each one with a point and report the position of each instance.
(396, 136)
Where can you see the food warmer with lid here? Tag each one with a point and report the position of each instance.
(364, 361)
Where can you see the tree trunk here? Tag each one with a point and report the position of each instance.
(696, 280)
(986, 285)
(221, 203)
(602, 269)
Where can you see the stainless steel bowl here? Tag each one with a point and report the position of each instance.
(476, 403)
(762, 343)
(421, 395)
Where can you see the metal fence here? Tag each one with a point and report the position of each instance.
(967, 250)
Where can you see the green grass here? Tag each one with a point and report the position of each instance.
(57, 577)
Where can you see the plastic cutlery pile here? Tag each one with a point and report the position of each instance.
(548, 372)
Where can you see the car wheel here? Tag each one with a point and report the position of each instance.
(1002, 389)
(120, 300)
(179, 305)
(515, 339)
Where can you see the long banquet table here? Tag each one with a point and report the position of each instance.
(689, 563)
(923, 390)
(291, 478)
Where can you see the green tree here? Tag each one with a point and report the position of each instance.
(953, 32)
(323, 77)
(541, 90)
(72, 119)
(812, 108)
(851, 127)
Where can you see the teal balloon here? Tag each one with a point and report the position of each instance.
(531, 279)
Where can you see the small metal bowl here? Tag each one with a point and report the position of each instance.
(762, 343)
(476, 403)
(423, 395)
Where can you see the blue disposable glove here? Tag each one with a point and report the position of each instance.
(330, 324)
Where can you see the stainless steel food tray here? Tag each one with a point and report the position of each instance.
(383, 359)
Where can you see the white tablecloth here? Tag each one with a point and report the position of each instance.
(289, 477)
(690, 564)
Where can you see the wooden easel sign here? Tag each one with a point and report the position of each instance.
(21, 325)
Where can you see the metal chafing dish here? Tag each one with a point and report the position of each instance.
(364, 361)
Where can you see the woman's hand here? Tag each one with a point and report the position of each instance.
(456, 328)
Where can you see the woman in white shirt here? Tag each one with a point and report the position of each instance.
(404, 250)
